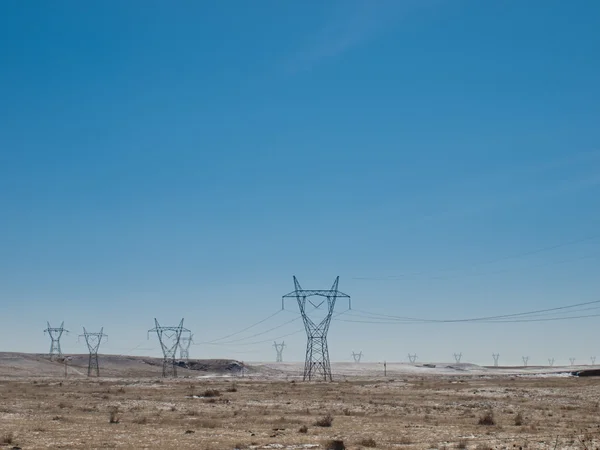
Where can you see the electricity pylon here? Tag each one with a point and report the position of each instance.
(279, 349)
(55, 335)
(572, 361)
(525, 360)
(169, 341)
(317, 353)
(93, 341)
(412, 358)
(457, 357)
(593, 358)
(496, 356)
(184, 346)
(357, 356)
(550, 362)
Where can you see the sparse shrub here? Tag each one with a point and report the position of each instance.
(114, 416)
(483, 447)
(462, 444)
(519, 419)
(324, 421)
(368, 442)
(335, 444)
(487, 419)
(303, 429)
(141, 420)
(208, 424)
(211, 393)
(232, 388)
(405, 440)
(8, 438)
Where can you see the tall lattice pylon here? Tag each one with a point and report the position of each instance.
(279, 349)
(412, 358)
(496, 357)
(317, 362)
(55, 335)
(457, 357)
(93, 341)
(357, 356)
(184, 346)
(169, 341)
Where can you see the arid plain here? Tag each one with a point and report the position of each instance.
(412, 407)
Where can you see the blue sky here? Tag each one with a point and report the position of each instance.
(185, 159)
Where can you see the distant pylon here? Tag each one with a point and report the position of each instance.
(457, 357)
(357, 356)
(572, 361)
(593, 358)
(496, 356)
(412, 358)
(550, 362)
(93, 341)
(525, 360)
(317, 352)
(279, 349)
(55, 335)
(184, 346)
(169, 341)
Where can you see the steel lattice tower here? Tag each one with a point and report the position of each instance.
(279, 349)
(184, 346)
(496, 356)
(55, 335)
(412, 358)
(525, 360)
(317, 352)
(169, 338)
(357, 357)
(93, 341)
(458, 357)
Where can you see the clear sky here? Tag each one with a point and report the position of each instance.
(185, 159)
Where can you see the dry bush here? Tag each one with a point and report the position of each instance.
(211, 393)
(8, 438)
(482, 446)
(141, 420)
(519, 419)
(114, 416)
(232, 388)
(303, 429)
(462, 444)
(487, 419)
(208, 424)
(368, 442)
(405, 440)
(324, 421)
(335, 444)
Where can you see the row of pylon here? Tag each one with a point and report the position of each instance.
(317, 364)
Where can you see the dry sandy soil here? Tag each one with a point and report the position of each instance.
(269, 408)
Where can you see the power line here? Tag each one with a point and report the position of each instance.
(491, 261)
(245, 329)
(233, 341)
(476, 319)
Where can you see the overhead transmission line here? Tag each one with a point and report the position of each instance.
(240, 341)
(492, 261)
(245, 329)
(529, 316)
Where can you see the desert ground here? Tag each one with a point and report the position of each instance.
(214, 407)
